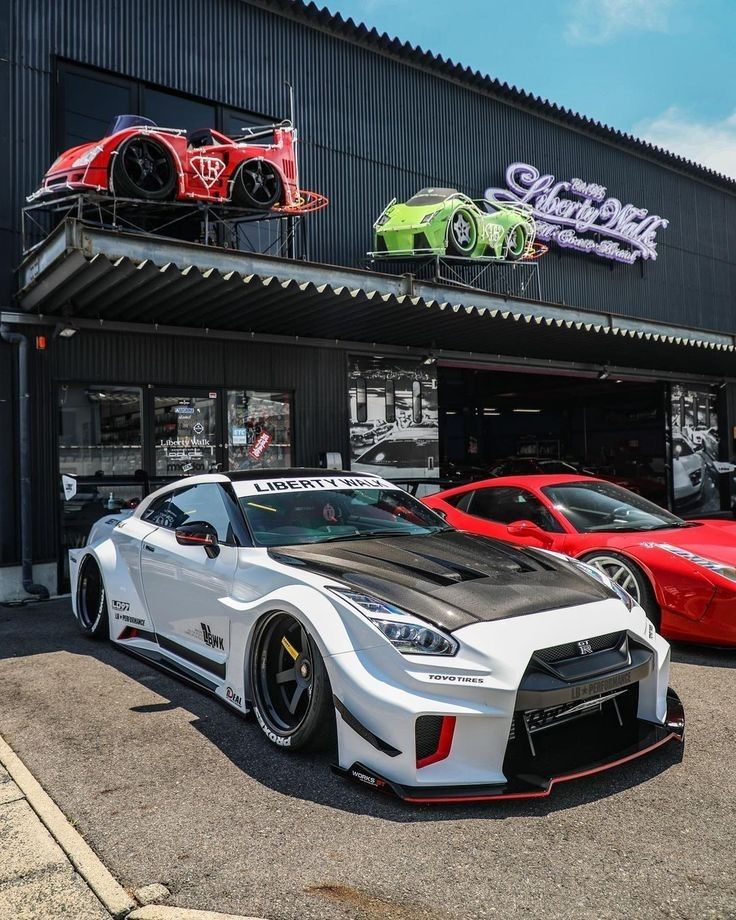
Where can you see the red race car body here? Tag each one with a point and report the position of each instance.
(683, 573)
(137, 159)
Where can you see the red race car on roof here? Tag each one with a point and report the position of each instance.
(683, 573)
(136, 159)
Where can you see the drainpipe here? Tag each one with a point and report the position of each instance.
(24, 424)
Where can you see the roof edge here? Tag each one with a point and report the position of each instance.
(383, 43)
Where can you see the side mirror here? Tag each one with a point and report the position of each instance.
(199, 533)
(528, 529)
(440, 513)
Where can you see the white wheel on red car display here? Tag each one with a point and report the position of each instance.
(627, 575)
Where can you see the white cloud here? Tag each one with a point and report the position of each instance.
(595, 22)
(710, 143)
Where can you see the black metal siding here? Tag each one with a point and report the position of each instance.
(372, 127)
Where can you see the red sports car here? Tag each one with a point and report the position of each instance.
(137, 159)
(683, 573)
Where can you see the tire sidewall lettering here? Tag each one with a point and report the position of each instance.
(279, 740)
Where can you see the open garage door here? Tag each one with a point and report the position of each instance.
(640, 434)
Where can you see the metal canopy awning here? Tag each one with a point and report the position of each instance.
(85, 272)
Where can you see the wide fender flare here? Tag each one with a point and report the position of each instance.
(104, 554)
(334, 631)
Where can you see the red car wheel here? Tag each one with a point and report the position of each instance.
(258, 185)
(627, 575)
(143, 168)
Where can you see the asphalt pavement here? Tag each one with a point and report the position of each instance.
(168, 786)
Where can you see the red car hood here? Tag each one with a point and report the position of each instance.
(714, 540)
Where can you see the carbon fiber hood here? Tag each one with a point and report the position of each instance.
(451, 579)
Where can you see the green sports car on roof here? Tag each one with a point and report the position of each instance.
(442, 221)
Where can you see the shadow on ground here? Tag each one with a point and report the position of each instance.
(45, 628)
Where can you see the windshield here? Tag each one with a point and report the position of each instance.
(603, 506)
(322, 515)
(431, 196)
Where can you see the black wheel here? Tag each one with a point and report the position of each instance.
(462, 233)
(290, 690)
(627, 575)
(257, 185)
(143, 168)
(516, 243)
(92, 601)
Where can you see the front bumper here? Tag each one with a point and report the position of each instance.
(571, 762)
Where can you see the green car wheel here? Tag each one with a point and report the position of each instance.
(462, 233)
(516, 247)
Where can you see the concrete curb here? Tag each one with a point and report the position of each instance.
(157, 912)
(111, 893)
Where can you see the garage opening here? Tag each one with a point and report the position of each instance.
(495, 423)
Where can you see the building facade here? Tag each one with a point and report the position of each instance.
(612, 353)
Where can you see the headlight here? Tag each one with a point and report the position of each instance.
(429, 217)
(87, 157)
(383, 219)
(407, 633)
(605, 580)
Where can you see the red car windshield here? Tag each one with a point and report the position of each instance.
(603, 506)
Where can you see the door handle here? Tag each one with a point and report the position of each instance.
(149, 548)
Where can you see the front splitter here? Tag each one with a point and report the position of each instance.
(652, 736)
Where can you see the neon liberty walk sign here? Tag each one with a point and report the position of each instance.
(563, 209)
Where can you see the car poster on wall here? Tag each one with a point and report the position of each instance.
(393, 417)
(696, 467)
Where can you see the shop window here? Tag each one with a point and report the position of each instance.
(259, 429)
(416, 402)
(88, 101)
(99, 431)
(361, 400)
(173, 111)
(185, 433)
(390, 401)
(193, 504)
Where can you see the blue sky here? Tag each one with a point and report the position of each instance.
(660, 69)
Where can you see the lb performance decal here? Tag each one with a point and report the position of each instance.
(601, 686)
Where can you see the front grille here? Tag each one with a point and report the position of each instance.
(572, 649)
(557, 739)
(538, 719)
(427, 735)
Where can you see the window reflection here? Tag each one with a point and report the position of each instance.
(259, 429)
(99, 430)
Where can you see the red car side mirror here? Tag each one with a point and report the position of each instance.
(527, 529)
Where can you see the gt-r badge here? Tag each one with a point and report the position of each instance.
(585, 647)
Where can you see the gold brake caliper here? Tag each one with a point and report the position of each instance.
(289, 648)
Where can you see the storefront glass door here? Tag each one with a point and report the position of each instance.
(185, 433)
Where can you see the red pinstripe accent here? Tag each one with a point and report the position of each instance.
(443, 745)
(542, 793)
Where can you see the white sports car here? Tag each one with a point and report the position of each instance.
(339, 609)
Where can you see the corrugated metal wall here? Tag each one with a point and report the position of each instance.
(372, 127)
(316, 376)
